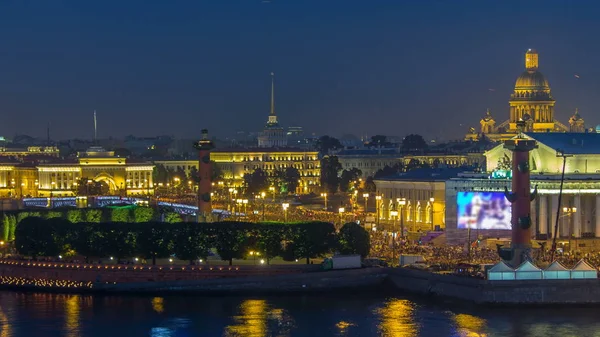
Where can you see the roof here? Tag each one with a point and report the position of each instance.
(556, 266)
(427, 174)
(264, 149)
(385, 152)
(527, 266)
(583, 266)
(500, 267)
(569, 142)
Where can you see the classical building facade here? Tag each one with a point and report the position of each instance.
(368, 161)
(62, 178)
(235, 163)
(532, 102)
(273, 135)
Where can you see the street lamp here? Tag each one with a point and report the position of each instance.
(394, 215)
(263, 195)
(401, 203)
(285, 206)
(568, 211)
(245, 203)
(324, 195)
(272, 189)
(431, 200)
(342, 210)
(377, 201)
(366, 197)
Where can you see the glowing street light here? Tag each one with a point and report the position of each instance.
(341, 210)
(285, 206)
(324, 195)
(366, 197)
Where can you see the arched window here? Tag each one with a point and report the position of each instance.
(409, 212)
(419, 217)
(428, 214)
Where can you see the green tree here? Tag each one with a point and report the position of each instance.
(160, 174)
(387, 171)
(504, 163)
(414, 143)
(53, 214)
(330, 169)
(231, 240)
(326, 144)
(195, 175)
(12, 228)
(269, 240)
(5, 227)
(90, 240)
(349, 179)
(118, 239)
(143, 214)
(75, 215)
(34, 237)
(154, 240)
(256, 182)
(379, 141)
(313, 239)
(120, 215)
(93, 215)
(192, 241)
(354, 239)
(216, 173)
(291, 179)
(171, 217)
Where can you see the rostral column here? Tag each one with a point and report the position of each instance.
(520, 199)
(204, 146)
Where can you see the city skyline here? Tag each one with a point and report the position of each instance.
(175, 68)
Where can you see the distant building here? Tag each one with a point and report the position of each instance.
(273, 135)
(368, 161)
(531, 102)
(235, 163)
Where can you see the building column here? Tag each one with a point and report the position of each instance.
(597, 224)
(577, 216)
(543, 214)
(553, 208)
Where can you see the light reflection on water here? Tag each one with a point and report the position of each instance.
(30, 314)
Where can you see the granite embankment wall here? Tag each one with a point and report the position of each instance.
(534, 292)
(136, 278)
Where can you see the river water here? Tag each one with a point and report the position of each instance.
(364, 315)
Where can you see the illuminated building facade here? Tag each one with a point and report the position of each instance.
(532, 102)
(368, 161)
(49, 151)
(62, 179)
(235, 163)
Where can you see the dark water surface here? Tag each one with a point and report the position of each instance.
(365, 315)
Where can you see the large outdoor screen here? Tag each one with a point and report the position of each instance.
(483, 210)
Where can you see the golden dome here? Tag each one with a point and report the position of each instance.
(532, 80)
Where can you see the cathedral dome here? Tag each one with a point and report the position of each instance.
(532, 80)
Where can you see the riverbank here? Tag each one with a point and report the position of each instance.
(136, 279)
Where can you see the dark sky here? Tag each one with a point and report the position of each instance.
(173, 67)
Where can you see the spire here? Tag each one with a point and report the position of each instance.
(95, 128)
(531, 60)
(272, 116)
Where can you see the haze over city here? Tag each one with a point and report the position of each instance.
(382, 67)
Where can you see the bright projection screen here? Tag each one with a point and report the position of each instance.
(483, 210)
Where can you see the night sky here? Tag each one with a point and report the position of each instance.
(362, 67)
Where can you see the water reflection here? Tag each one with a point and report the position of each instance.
(396, 318)
(5, 326)
(252, 322)
(470, 326)
(158, 304)
(72, 315)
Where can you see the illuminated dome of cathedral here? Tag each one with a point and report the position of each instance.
(532, 80)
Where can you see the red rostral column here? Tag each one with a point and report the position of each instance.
(204, 146)
(520, 199)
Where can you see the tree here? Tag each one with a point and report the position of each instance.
(414, 143)
(216, 173)
(75, 215)
(370, 185)
(160, 174)
(90, 240)
(143, 214)
(504, 163)
(269, 240)
(120, 215)
(191, 241)
(231, 240)
(118, 239)
(256, 182)
(326, 144)
(387, 171)
(87, 186)
(171, 217)
(291, 177)
(330, 168)
(349, 178)
(379, 141)
(93, 215)
(154, 240)
(354, 239)
(35, 238)
(313, 239)
(413, 164)
(5, 228)
(195, 174)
